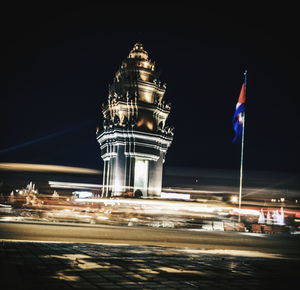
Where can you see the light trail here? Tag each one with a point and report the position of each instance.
(172, 205)
(172, 195)
(74, 185)
(46, 168)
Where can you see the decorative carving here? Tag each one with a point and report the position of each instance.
(168, 106)
(161, 126)
(106, 123)
(171, 130)
(116, 120)
(133, 121)
(125, 122)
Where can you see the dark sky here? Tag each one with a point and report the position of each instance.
(58, 57)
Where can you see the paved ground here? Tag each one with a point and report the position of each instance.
(51, 265)
(283, 244)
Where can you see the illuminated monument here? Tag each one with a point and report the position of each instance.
(136, 137)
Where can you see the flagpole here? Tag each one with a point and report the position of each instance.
(242, 152)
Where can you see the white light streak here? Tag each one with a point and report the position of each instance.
(83, 194)
(247, 211)
(175, 195)
(58, 184)
(241, 253)
(46, 168)
(192, 207)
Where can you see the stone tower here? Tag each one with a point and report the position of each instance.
(136, 136)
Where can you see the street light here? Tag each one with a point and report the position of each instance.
(234, 199)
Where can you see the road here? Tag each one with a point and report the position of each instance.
(285, 245)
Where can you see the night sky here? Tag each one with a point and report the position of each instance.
(58, 59)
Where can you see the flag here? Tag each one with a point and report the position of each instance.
(238, 117)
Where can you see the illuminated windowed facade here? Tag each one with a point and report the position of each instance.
(136, 137)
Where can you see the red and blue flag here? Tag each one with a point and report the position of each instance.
(238, 120)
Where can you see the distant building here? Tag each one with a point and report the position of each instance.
(136, 136)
